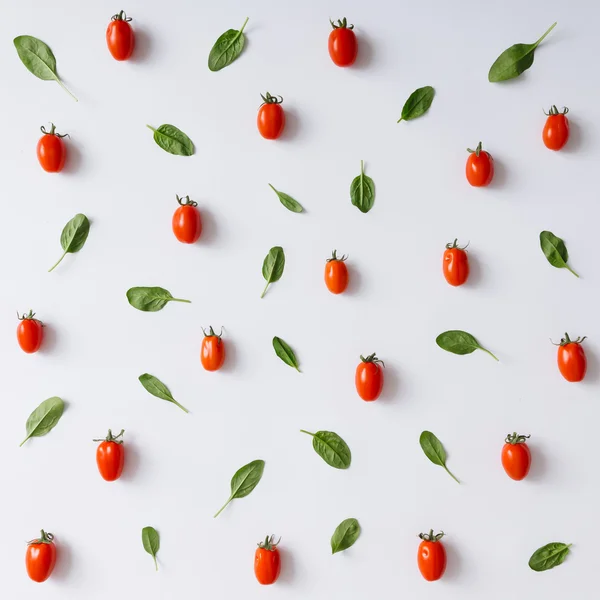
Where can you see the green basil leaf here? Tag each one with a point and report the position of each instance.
(273, 266)
(158, 389)
(345, 535)
(459, 342)
(549, 556)
(39, 59)
(173, 140)
(331, 448)
(227, 48)
(418, 103)
(151, 541)
(150, 299)
(44, 418)
(73, 236)
(244, 481)
(555, 251)
(514, 60)
(434, 451)
(288, 201)
(362, 191)
(285, 353)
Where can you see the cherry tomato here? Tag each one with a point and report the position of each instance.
(119, 36)
(556, 129)
(455, 264)
(40, 557)
(431, 557)
(480, 167)
(516, 458)
(271, 118)
(51, 150)
(30, 333)
(187, 224)
(336, 274)
(571, 358)
(369, 377)
(110, 456)
(343, 47)
(212, 353)
(267, 562)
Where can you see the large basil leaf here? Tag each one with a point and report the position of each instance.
(362, 191)
(345, 535)
(459, 342)
(549, 556)
(173, 140)
(273, 266)
(288, 201)
(331, 448)
(244, 481)
(555, 251)
(434, 451)
(151, 542)
(227, 48)
(44, 418)
(150, 299)
(157, 388)
(285, 353)
(73, 236)
(418, 103)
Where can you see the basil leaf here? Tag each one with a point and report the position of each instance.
(43, 419)
(273, 266)
(73, 236)
(151, 541)
(158, 389)
(555, 251)
(513, 61)
(285, 353)
(434, 451)
(173, 140)
(418, 103)
(362, 191)
(227, 48)
(331, 448)
(39, 59)
(244, 481)
(549, 556)
(150, 299)
(459, 342)
(288, 201)
(345, 535)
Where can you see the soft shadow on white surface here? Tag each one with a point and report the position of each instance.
(391, 383)
(64, 560)
(50, 341)
(74, 158)
(366, 52)
(454, 562)
(287, 567)
(133, 459)
(292, 126)
(209, 226)
(355, 280)
(143, 45)
(538, 473)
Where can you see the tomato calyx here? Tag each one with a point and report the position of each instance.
(567, 340)
(211, 332)
(269, 543)
(341, 24)
(431, 537)
(53, 131)
(477, 150)
(121, 16)
(335, 257)
(45, 538)
(185, 201)
(112, 438)
(372, 358)
(268, 99)
(554, 111)
(30, 316)
(516, 438)
(454, 244)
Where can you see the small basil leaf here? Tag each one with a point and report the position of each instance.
(549, 556)
(345, 535)
(514, 60)
(244, 481)
(157, 388)
(555, 251)
(173, 140)
(285, 353)
(418, 103)
(459, 342)
(434, 451)
(273, 266)
(288, 201)
(44, 418)
(331, 448)
(151, 542)
(150, 299)
(227, 48)
(73, 236)
(362, 191)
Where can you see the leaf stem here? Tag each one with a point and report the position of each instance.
(400, 119)
(569, 269)
(449, 473)
(64, 87)
(492, 355)
(180, 300)
(58, 262)
(547, 32)
(183, 408)
(244, 25)
(307, 432)
(265, 290)
(151, 128)
(222, 507)
(155, 561)
(24, 440)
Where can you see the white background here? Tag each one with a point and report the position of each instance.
(179, 466)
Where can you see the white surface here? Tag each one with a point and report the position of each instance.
(179, 466)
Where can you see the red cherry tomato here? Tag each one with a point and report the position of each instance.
(343, 47)
(51, 150)
(572, 362)
(455, 264)
(431, 557)
(480, 167)
(556, 129)
(336, 274)
(110, 456)
(516, 458)
(212, 352)
(369, 378)
(40, 557)
(271, 118)
(30, 333)
(267, 562)
(119, 36)
(187, 224)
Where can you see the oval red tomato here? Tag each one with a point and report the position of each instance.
(556, 129)
(187, 224)
(110, 456)
(480, 167)
(343, 46)
(271, 118)
(455, 264)
(212, 352)
(369, 377)
(30, 333)
(572, 362)
(516, 457)
(431, 556)
(120, 37)
(267, 561)
(51, 150)
(40, 557)
(336, 274)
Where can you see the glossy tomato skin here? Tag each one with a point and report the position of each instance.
(455, 265)
(572, 362)
(556, 130)
(212, 351)
(187, 223)
(110, 457)
(271, 117)
(267, 562)
(343, 46)
(516, 457)
(51, 151)
(480, 167)
(30, 333)
(369, 378)
(431, 558)
(40, 558)
(120, 38)
(336, 274)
